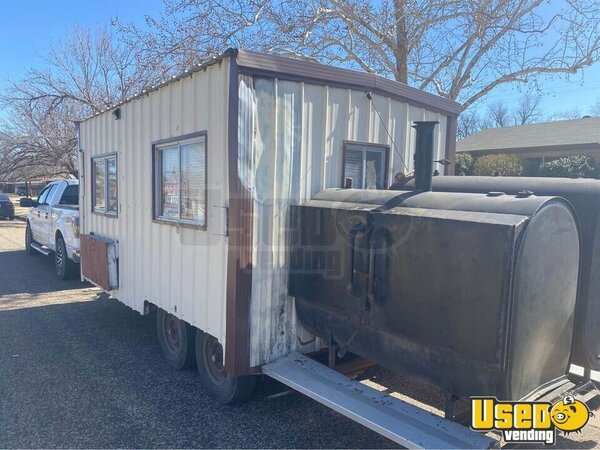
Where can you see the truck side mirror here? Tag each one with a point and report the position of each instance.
(27, 202)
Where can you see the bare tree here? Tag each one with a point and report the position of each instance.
(469, 122)
(85, 74)
(567, 114)
(461, 50)
(595, 108)
(529, 109)
(498, 115)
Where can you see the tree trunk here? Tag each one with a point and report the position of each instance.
(401, 50)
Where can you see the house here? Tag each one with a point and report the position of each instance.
(537, 143)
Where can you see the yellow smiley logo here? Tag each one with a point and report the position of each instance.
(569, 415)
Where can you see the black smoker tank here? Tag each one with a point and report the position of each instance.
(584, 195)
(472, 293)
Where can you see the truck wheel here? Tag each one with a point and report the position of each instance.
(176, 340)
(224, 387)
(65, 268)
(28, 241)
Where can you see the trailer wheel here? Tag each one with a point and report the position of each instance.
(29, 240)
(224, 387)
(176, 340)
(65, 268)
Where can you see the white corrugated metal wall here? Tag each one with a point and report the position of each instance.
(296, 148)
(177, 268)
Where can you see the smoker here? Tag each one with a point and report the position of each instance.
(584, 196)
(472, 293)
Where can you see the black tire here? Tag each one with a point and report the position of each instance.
(176, 340)
(28, 241)
(222, 386)
(65, 268)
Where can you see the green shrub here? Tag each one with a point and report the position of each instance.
(574, 166)
(501, 164)
(464, 164)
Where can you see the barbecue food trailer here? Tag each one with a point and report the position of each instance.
(247, 202)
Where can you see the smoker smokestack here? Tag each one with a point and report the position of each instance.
(424, 155)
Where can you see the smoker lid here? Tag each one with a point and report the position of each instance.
(457, 201)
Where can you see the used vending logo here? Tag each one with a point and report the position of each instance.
(535, 422)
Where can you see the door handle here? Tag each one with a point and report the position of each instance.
(45, 215)
(357, 228)
(38, 213)
(373, 291)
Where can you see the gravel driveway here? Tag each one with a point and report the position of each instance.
(80, 370)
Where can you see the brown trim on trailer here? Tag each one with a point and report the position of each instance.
(239, 251)
(313, 72)
(370, 144)
(450, 145)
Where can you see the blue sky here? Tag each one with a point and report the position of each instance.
(28, 27)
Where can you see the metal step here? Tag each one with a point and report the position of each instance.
(40, 248)
(403, 423)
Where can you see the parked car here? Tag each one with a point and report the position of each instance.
(21, 191)
(7, 209)
(53, 226)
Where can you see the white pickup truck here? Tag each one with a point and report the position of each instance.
(53, 226)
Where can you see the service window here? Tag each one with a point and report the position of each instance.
(105, 184)
(366, 164)
(180, 180)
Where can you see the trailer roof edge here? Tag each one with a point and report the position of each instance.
(311, 71)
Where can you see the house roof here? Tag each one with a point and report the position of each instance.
(298, 69)
(568, 135)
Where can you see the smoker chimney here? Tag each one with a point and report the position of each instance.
(424, 155)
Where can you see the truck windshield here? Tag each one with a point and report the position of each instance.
(71, 195)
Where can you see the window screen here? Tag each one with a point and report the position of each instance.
(366, 164)
(111, 189)
(105, 184)
(180, 184)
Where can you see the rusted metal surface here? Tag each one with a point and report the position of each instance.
(96, 261)
(473, 294)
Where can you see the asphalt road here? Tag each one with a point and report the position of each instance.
(80, 370)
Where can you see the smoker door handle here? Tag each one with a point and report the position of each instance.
(360, 227)
(377, 234)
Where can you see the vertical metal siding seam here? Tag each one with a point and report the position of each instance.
(326, 138)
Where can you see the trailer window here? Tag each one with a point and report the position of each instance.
(366, 164)
(104, 184)
(180, 180)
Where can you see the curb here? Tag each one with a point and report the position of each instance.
(21, 218)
